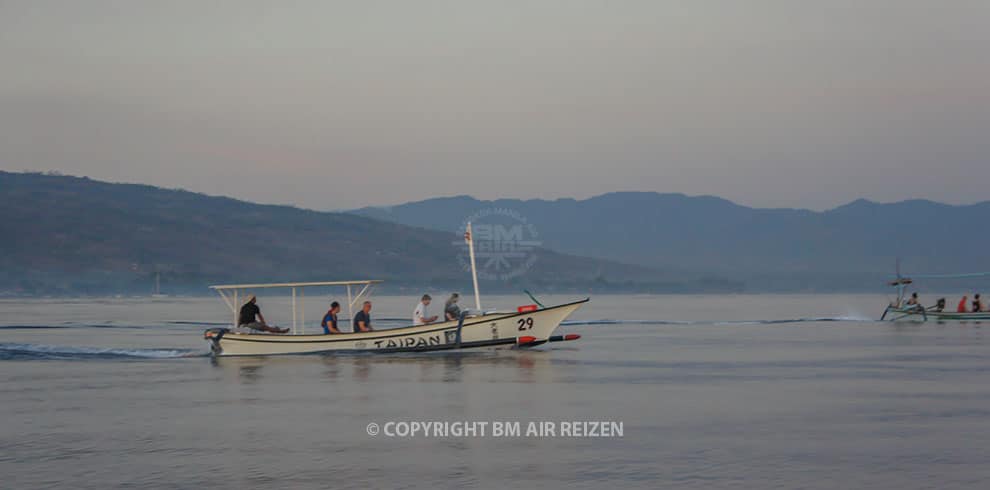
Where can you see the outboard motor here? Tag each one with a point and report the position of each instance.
(214, 335)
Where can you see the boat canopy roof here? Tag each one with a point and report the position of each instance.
(229, 294)
(294, 284)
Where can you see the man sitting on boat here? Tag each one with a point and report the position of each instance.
(977, 303)
(450, 309)
(329, 322)
(251, 317)
(362, 320)
(962, 305)
(422, 312)
(913, 303)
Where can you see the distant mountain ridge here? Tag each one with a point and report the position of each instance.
(71, 235)
(850, 247)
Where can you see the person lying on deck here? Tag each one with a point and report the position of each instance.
(329, 322)
(362, 321)
(251, 317)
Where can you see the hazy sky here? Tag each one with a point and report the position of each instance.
(333, 105)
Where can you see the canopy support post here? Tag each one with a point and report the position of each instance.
(350, 304)
(353, 300)
(302, 310)
(226, 299)
(293, 311)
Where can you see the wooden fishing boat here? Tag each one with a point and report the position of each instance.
(924, 314)
(528, 326)
(899, 310)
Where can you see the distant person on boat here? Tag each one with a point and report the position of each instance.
(421, 315)
(450, 309)
(940, 305)
(914, 300)
(329, 322)
(251, 317)
(962, 305)
(977, 303)
(362, 321)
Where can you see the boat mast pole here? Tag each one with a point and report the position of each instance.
(474, 268)
(350, 303)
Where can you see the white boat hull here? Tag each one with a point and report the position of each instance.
(531, 328)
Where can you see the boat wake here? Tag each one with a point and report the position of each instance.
(111, 325)
(9, 351)
(31, 327)
(724, 322)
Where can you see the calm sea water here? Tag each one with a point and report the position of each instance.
(765, 391)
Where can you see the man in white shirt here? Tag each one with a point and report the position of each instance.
(421, 316)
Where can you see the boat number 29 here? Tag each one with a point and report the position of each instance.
(525, 323)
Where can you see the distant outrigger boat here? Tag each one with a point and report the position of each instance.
(528, 326)
(925, 314)
(901, 311)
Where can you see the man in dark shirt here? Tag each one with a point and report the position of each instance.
(362, 321)
(329, 322)
(252, 318)
(450, 310)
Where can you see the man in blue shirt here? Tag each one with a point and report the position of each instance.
(329, 322)
(362, 321)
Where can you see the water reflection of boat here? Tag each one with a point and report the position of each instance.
(522, 366)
